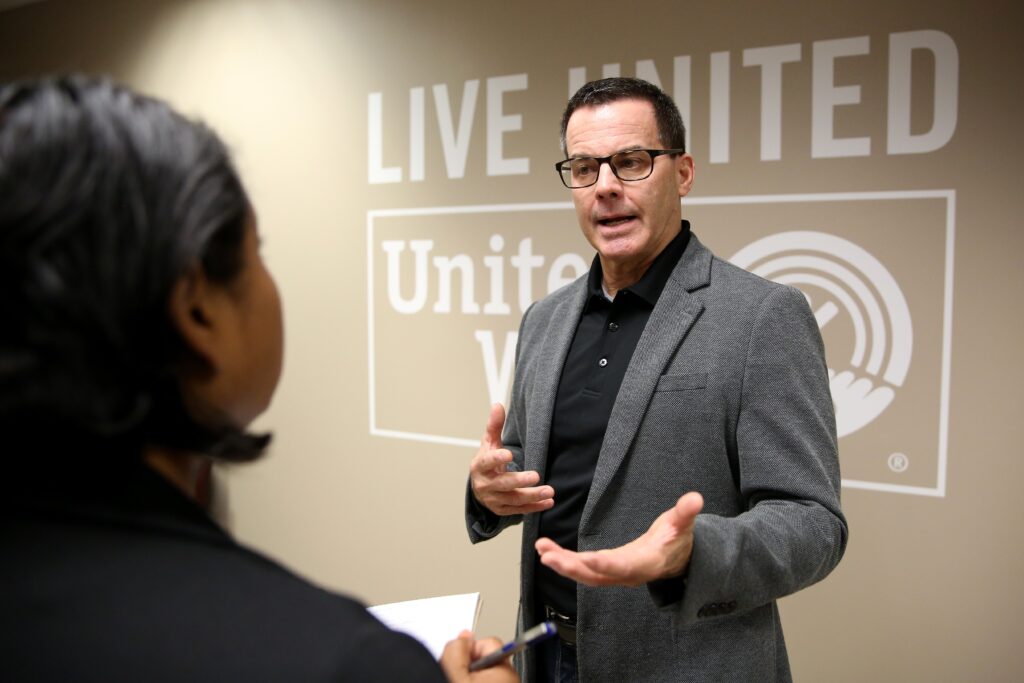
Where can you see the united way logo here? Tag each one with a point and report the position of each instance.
(841, 278)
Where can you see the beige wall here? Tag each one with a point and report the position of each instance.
(363, 488)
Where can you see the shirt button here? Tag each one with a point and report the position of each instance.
(613, 326)
(603, 362)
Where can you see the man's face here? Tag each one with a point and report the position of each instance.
(627, 222)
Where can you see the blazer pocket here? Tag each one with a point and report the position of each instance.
(696, 380)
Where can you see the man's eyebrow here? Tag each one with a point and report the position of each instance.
(631, 148)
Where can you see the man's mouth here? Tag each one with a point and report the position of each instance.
(614, 221)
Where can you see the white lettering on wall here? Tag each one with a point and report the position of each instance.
(944, 105)
(824, 99)
(394, 249)
(564, 269)
(445, 266)
(499, 123)
(456, 136)
(499, 380)
(524, 262)
(417, 135)
(771, 59)
(578, 75)
(496, 264)
(826, 96)
(375, 143)
(681, 90)
(718, 152)
(577, 79)
(455, 139)
(648, 71)
(558, 277)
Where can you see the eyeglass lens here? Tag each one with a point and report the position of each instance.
(629, 165)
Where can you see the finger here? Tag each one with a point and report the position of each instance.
(490, 461)
(686, 510)
(556, 557)
(520, 501)
(615, 566)
(545, 545)
(521, 483)
(517, 501)
(495, 422)
(456, 657)
(594, 568)
(572, 565)
(512, 503)
(524, 496)
(513, 486)
(506, 510)
(485, 646)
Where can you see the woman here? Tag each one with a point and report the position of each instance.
(141, 333)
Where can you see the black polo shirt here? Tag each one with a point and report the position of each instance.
(606, 336)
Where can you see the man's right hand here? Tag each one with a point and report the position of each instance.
(500, 491)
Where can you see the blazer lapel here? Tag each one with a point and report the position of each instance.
(541, 402)
(671, 319)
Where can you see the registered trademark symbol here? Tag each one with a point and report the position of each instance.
(898, 462)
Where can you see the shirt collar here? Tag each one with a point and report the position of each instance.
(653, 281)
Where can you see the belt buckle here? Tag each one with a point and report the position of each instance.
(565, 625)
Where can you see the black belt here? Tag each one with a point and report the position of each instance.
(565, 625)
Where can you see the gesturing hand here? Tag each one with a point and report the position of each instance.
(500, 491)
(662, 551)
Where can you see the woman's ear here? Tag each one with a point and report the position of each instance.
(196, 310)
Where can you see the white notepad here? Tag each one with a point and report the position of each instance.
(432, 621)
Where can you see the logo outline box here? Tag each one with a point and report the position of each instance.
(949, 196)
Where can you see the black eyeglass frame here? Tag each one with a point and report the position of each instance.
(601, 161)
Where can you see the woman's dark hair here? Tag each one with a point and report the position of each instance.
(107, 199)
(671, 130)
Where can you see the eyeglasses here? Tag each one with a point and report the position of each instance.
(630, 165)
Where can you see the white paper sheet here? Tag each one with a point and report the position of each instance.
(432, 621)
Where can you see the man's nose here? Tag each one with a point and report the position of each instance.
(607, 182)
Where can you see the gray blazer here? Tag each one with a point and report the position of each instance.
(727, 394)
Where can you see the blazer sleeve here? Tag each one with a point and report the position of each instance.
(792, 532)
(481, 523)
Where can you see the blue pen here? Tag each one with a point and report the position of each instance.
(541, 631)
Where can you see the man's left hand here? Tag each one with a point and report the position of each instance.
(661, 552)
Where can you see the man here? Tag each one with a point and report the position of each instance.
(665, 371)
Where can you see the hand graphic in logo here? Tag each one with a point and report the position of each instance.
(847, 281)
(857, 400)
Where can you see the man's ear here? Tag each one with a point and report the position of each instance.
(195, 310)
(684, 172)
